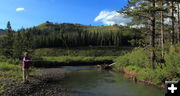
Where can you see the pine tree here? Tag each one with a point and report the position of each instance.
(17, 46)
(7, 44)
(144, 11)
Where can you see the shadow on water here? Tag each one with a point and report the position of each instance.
(88, 81)
(55, 64)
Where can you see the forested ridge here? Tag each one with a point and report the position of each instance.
(65, 35)
(76, 35)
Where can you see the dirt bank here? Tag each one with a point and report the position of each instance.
(130, 74)
(39, 84)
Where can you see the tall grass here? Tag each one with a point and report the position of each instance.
(139, 61)
(10, 70)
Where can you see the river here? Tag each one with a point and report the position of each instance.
(88, 81)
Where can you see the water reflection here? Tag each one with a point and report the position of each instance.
(87, 81)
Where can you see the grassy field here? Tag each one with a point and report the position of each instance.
(82, 51)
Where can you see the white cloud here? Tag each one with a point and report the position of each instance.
(111, 18)
(20, 9)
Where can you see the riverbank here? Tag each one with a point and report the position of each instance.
(11, 73)
(42, 82)
(53, 61)
(137, 64)
(133, 75)
(38, 84)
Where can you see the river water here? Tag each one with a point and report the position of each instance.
(89, 81)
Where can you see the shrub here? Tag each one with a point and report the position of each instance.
(3, 58)
(138, 57)
(172, 59)
(122, 61)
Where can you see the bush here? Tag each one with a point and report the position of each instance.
(2, 58)
(122, 61)
(138, 57)
(14, 61)
(10, 60)
(172, 59)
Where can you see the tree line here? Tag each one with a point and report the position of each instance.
(50, 35)
(13, 44)
(70, 35)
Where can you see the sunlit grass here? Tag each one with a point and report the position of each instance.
(77, 58)
(10, 70)
(10, 73)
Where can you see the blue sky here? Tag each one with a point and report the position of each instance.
(28, 13)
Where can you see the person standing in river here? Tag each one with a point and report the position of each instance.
(25, 67)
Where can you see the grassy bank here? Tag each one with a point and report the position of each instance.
(83, 51)
(50, 61)
(9, 73)
(77, 58)
(91, 55)
(139, 61)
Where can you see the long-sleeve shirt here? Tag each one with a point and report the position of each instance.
(26, 61)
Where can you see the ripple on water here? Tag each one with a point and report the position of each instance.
(87, 81)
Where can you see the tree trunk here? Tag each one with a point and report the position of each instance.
(162, 31)
(178, 33)
(173, 21)
(153, 25)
